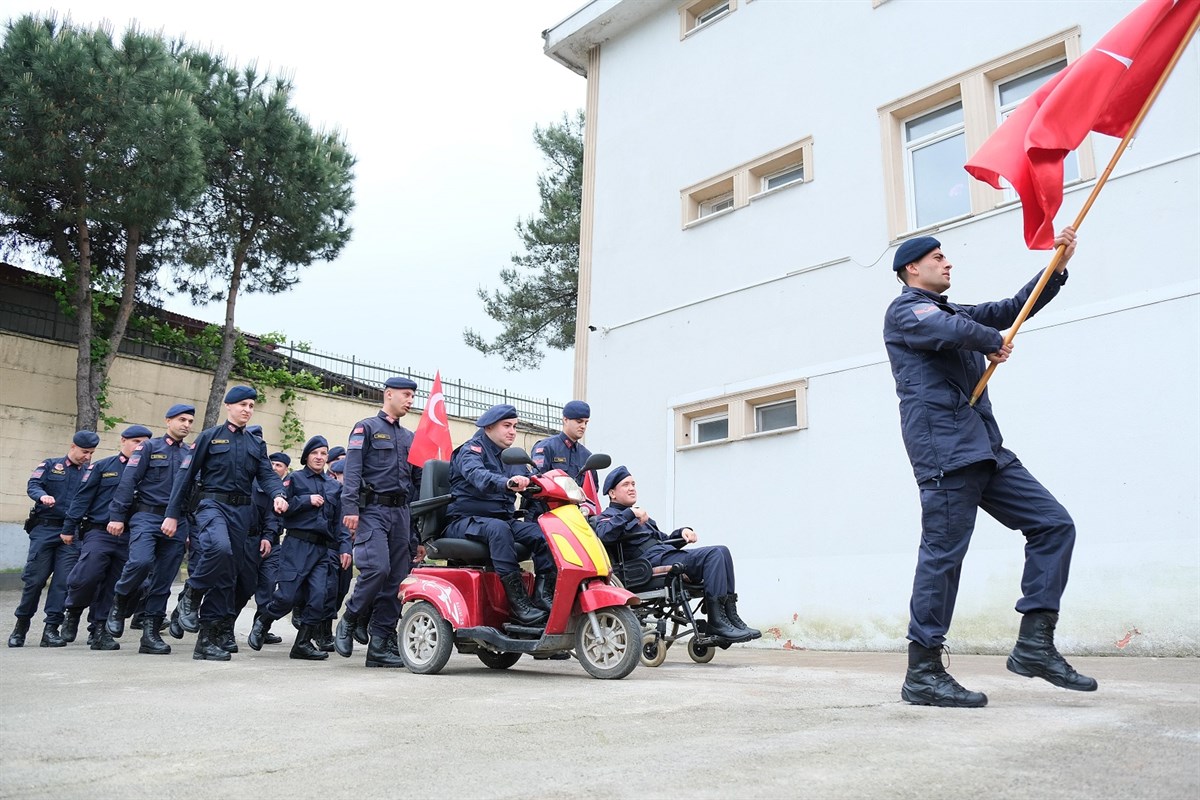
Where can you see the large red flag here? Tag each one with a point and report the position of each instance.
(432, 439)
(1103, 91)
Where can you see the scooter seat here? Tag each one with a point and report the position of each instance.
(466, 551)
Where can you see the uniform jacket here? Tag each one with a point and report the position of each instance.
(265, 522)
(559, 452)
(617, 524)
(95, 494)
(149, 476)
(479, 479)
(937, 349)
(224, 459)
(60, 479)
(302, 515)
(377, 460)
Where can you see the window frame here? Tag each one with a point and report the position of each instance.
(741, 178)
(1010, 194)
(740, 408)
(692, 13)
(928, 140)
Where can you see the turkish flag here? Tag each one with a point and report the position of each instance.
(1103, 90)
(432, 439)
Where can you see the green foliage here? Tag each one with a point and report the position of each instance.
(537, 304)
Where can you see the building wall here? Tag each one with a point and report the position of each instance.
(1099, 399)
(37, 417)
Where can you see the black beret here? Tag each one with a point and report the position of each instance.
(496, 414)
(85, 439)
(312, 444)
(577, 409)
(282, 458)
(914, 250)
(400, 383)
(616, 476)
(134, 431)
(239, 393)
(180, 408)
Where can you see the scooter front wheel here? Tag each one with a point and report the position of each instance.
(610, 648)
(426, 639)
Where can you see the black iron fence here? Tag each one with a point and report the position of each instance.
(349, 376)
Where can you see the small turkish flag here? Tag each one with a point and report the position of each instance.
(432, 439)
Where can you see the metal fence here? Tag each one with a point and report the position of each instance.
(348, 376)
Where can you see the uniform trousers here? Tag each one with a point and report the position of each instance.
(91, 583)
(501, 536)
(49, 557)
(712, 564)
(383, 555)
(221, 531)
(948, 509)
(268, 576)
(303, 569)
(154, 560)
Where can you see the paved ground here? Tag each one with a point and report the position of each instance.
(752, 723)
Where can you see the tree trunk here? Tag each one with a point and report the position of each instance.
(216, 394)
(87, 406)
(133, 238)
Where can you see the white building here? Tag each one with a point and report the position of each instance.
(751, 166)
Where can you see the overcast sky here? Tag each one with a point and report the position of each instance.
(438, 102)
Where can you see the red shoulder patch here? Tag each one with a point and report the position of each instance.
(476, 448)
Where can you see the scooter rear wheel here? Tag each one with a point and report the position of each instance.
(426, 639)
(616, 650)
(498, 660)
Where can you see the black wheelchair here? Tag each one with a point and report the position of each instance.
(669, 608)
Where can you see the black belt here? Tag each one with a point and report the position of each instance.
(93, 529)
(145, 508)
(392, 500)
(307, 536)
(230, 499)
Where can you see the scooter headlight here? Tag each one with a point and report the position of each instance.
(570, 489)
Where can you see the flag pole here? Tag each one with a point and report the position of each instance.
(1058, 252)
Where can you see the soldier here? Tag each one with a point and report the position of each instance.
(483, 508)
(336, 455)
(224, 462)
(565, 451)
(52, 487)
(379, 485)
(269, 526)
(311, 527)
(102, 554)
(141, 498)
(340, 572)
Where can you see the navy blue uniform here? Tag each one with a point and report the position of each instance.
(379, 484)
(560, 452)
(141, 498)
(482, 506)
(338, 582)
(102, 556)
(937, 350)
(48, 554)
(712, 564)
(220, 469)
(257, 573)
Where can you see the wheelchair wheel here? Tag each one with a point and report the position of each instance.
(498, 660)
(654, 650)
(701, 654)
(616, 650)
(426, 639)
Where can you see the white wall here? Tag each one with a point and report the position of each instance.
(1100, 400)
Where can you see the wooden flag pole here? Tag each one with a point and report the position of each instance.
(1058, 252)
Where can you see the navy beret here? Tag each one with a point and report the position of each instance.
(312, 444)
(914, 250)
(134, 431)
(400, 383)
(282, 458)
(616, 476)
(338, 466)
(496, 414)
(336, 452)
(86, 439)
(255, 430)
(180, 408)
(239, 393)
(577, 409)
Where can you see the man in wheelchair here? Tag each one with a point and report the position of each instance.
(626, 524)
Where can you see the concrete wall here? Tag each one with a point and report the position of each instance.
(1099, 399)
(37, 416)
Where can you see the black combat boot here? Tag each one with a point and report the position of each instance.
(731, 613)
(189, 609)
(1035, 655)
(152, 642)
(135, 622)
(304, 649)
(91, 635)
(70, 627)
(324, 636)
(117, 614)
(343, 640)
(928, 684)
(103, 640)
(174, 627)
(17, 637)
(223, 635)
(379, 653)
(362, 628)
(259, 632)
(206, 648)
(296, 619)
(51, 637)
(543, 591)
(719, 624)
(520, 608)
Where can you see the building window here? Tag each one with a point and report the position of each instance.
(735, 188)
(766, 411)
(698, 14)
(930, 135)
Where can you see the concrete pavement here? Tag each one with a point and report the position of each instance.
(752, 723)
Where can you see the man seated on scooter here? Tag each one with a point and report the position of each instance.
(625, 522)
(482, 507)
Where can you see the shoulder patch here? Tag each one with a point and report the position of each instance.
(355, 443)
(922, 310)
(538, 449)
(476, 448)
(357, 429)
(287, 482)
(39, 471)
(134, 459)
(187, 461)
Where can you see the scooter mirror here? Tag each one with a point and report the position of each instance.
(597, 461)
(515, 455)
